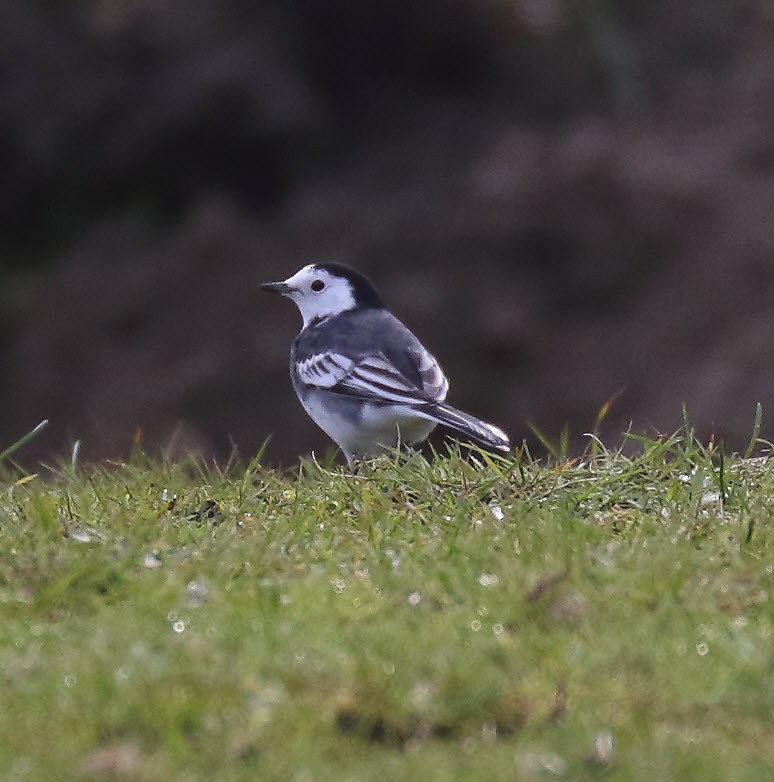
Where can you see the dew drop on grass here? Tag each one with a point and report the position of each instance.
(535, 762)
(497, 511)
(602, 751)
(394, 558)
(80, 536)
(488, 579)
(710, 497)
(196, 591)
(150, 561)
(339, 585)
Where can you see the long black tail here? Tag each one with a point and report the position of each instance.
(480, 431)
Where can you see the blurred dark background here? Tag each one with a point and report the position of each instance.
(567, 201)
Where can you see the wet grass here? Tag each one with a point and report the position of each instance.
(466, 618)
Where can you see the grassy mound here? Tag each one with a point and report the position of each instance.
(465, 618)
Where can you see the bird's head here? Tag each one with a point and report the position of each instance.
(321, 290)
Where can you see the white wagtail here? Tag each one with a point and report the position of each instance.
(360, 374)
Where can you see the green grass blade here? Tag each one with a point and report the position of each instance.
(22, 441)
(756, 432)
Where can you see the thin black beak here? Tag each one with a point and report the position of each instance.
(277, 287)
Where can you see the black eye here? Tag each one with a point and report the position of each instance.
(318, 285)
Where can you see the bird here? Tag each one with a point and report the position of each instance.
(361, 375)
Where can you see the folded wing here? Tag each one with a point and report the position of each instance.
(375, 377)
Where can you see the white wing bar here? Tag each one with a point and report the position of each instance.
(374, 376)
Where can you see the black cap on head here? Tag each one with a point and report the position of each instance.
(365, 293)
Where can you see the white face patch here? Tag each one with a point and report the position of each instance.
(319, 294)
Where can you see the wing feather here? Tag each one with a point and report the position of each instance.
(324, 370)
(433, 379)
(375, 377)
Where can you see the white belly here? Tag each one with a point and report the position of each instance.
(365, 430)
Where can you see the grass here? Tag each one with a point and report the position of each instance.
(470, 618)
